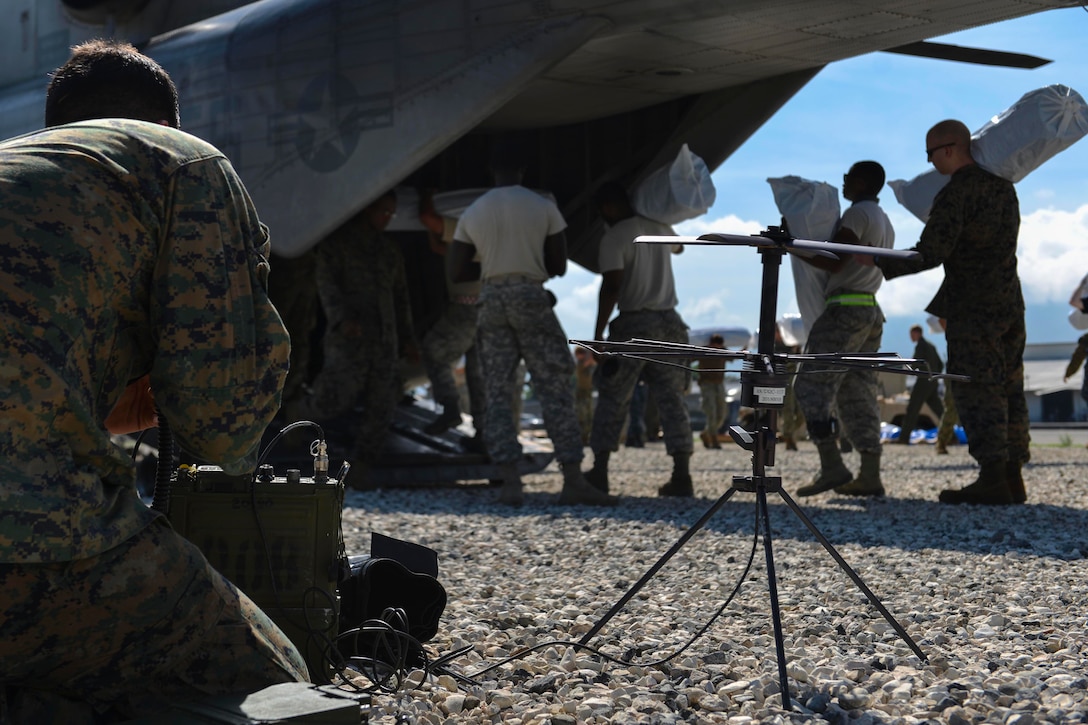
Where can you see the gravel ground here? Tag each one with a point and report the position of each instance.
(996, 598)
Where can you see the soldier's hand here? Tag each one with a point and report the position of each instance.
(135, 411)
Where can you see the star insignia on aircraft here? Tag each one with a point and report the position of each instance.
(330, 120)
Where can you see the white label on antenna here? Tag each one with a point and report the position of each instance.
(770, 396)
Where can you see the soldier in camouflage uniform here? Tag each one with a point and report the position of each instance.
(638, 280)
(972, 230)
(453, 335)
(133, 256)
(361, 282)
(518, 235)
(852, 322)
(292, 287)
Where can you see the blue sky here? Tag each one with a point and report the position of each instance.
(879, 107)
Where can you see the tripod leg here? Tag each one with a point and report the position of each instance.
(772, 586)
(853, 575)
(657, 566)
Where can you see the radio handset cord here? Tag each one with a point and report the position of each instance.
(164, 469)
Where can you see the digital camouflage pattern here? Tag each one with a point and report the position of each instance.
(842, 328)
(517, 322)
(99, 631)
(454, 335)
(972, 230)
(617, 377)
(128, 248)
(361, 282)
(946, 431)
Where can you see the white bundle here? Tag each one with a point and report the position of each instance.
(680, 191)
(811, 211)
(1012, 144)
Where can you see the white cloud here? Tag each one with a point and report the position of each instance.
(728, 224)
(576, 307)
(708, 310)
(1053, 253)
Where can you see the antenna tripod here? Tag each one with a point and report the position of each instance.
(763, 385)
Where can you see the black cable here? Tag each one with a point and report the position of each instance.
(520, 654)
(164, 468)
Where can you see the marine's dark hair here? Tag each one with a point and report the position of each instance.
(610, 192)
(717, 339)
(871, 173)
(917, 328)
(110, 79)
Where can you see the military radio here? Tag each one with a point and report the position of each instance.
(278, 538)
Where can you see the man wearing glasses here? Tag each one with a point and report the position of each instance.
(972, 230)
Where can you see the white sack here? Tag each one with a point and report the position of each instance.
(791, 327)
(811, 211)
(1012, 144)
(680, 191)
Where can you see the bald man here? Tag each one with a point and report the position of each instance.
(972, 230)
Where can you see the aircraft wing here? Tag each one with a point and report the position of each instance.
(324, 104)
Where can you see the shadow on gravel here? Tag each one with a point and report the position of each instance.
(907, 524)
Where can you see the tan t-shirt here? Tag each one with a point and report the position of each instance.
(647, 268)
(508, 226)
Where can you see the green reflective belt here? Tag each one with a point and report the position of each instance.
(852, 299)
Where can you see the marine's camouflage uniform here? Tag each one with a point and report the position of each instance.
(360, 279)
(517, 321)
(617, 377)
(972, 230)
(129, 248)
(853, 393)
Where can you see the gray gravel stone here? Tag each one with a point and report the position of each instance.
(996, 597)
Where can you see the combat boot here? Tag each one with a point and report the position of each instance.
(510, 493)
(1014, 477)
(680, 483)
(833, 472)
(990, 488)
(577, 490)
(598, 475)
(450, 418)
(867, 482)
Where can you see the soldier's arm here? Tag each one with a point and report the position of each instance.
(938, 239)
(221, 348)
(461, 264)
(555, 254)
(607, 298)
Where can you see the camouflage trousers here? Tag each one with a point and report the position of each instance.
(616, 379)
(583, 407)
(128, 631)
(712, 401)
(517, 322)
(946, 432)
(843, 329)
(992, 406)
(355, 373)
(790, 417)
(454, 335)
